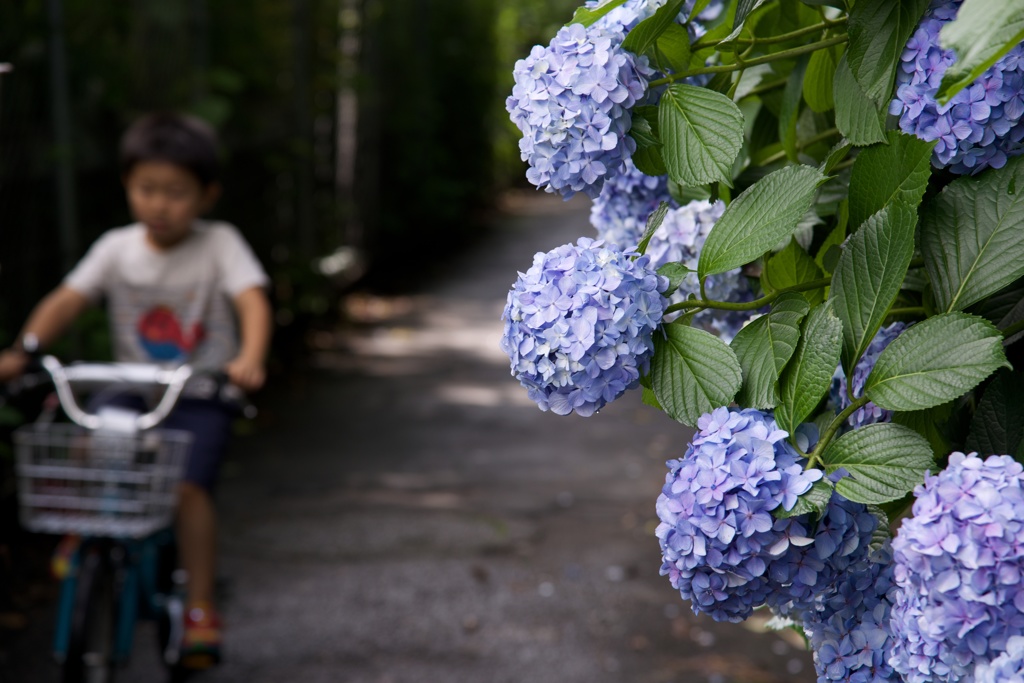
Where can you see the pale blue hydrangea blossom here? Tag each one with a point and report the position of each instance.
(572, 102)
(578, 325)
(840, 399)
(959, 569)
(717, 532)
(620, 212)
(1007, 667)
(981, 125)
(680, 239)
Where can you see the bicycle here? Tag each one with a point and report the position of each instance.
(109, 477)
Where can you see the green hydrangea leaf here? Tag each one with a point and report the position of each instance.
(792, 266)
(702, 132)
(644, 35)
(692, 372)
(869, 275)
(935, 361)
(809, 374)
(879, 30)
(971, 236)
(653, 223)
(765, 346)
(997, 427)
(818, 80)
(883, 461)
(586, 16)
(857, 117)
(764, 214)
(894, 172)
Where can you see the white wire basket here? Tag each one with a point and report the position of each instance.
(98, 483)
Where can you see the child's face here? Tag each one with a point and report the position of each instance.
(166, 198)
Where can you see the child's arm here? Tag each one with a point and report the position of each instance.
(254, 321)
(48, 320)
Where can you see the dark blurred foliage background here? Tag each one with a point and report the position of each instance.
(364, 140)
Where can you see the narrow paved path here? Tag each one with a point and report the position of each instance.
(414, 517)
(405, 514)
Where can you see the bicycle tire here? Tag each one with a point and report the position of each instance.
(90, 656)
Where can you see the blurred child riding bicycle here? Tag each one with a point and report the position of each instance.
(178, 289)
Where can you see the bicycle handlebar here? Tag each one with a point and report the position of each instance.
(137, 374)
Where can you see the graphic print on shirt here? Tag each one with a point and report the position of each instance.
(162, 337)
(190, 324)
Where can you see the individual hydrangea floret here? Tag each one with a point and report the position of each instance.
(717, 533)
(620, 212)
(572, 102)
(959, 569)
(849, 631)
(870, 413)
(680, 239)
(578, 325)
(1007, 667)
(981, 125)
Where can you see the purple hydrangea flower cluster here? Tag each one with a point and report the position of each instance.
(717, 533)
(620, 212)
(680, 239)
(981, 125)
(960, 570)
(807, 574)
(1007, 667)
(578, 325)
(849, 632)
(572, 102)
(870, 413)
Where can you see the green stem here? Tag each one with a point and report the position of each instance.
(779, 156)
(781, 38)
(766, 59)
(843, 165)
(1013, 329)
(830, 432)
(703, 303)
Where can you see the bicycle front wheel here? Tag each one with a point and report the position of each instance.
(90, 657)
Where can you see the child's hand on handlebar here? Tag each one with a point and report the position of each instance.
(12, 364)
(246, 374)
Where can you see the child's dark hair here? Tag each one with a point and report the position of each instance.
(180, 139)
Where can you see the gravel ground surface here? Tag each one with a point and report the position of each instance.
(405, 514)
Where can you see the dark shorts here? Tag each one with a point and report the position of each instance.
(209, 423)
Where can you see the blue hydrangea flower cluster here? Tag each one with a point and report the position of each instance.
(1007, 667)
(806, 575)
(870, 413)
(981, 126)
(717, 532)
(849, 632)
(680, 239)
(620, 212)
(572, 102)
(959, 569)
(578, 325)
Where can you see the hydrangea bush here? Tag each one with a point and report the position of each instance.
(834, 382)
